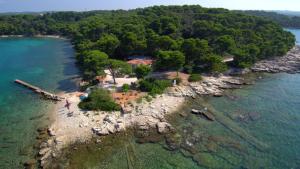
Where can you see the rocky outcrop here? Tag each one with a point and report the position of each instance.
(47, 151)
(215, 86)
(110, 125)
(181, 91)
(163, 127)
(290, 63)
(204, 113)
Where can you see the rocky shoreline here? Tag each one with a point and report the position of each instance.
(82, 126)
(289, 63)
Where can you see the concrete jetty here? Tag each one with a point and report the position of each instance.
(40, 91)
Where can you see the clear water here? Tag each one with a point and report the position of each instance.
(296, 32)
(47, 63)
(257, 126)
(276, 100)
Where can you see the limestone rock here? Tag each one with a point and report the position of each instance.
(163, 127)
(290, 63)
(51, 132)
(44, 151)
(100, 131)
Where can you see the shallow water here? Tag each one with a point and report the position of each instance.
(276, 100)
(45, 62)
(296, 32)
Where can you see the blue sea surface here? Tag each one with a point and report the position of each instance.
(296, 32)
(44, 62)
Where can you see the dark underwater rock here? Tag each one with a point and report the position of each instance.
(30, 164)
(207, 115)
(173, 141)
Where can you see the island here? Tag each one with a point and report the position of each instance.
(140, 65)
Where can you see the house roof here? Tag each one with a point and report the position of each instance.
(140, 62)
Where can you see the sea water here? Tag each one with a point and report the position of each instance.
(296, 32)
(257, 126)
(45, 62)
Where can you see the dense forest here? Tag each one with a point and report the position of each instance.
(179, 37)
(285, 20)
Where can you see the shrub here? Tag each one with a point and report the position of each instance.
(195, 78)
(154, 86)
(99, 99)
(142, 71)
(125, 87)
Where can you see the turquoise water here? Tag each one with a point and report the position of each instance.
(48, 63)
(296, 32)
(276, 100)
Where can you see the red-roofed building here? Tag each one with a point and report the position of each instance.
(140, 61)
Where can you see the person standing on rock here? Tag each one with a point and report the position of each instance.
(68, 104)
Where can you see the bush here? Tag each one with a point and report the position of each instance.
(125, 87)
(142, 71)
(154, 86)
(195, 78)
(99, 99)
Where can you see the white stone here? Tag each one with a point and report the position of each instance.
(163, 127)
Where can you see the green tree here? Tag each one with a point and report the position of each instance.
(166, 43)
(225, 44)
(206, 29)
(215, 64)
(131, 44)
(94, 63)
(247, 57)
(108, 43)
(142, 71)
(195, 50)
(84, 45)
(170, 60)
(168, 25)
(117, 67)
